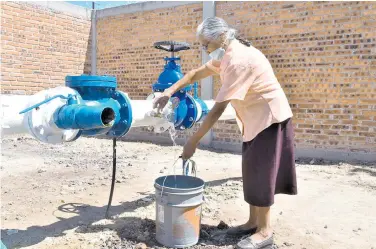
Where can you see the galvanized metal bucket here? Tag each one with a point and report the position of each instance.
(178, 210)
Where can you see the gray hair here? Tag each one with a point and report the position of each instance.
(213, 27)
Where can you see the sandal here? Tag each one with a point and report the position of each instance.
(248, 243)
(239, 231)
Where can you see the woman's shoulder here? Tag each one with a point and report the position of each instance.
(245, 56)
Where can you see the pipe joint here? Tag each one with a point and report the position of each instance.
(84, 117)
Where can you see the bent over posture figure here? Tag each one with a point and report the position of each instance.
(263, 115)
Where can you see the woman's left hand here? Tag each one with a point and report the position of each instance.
(189, 149)
(207, 124)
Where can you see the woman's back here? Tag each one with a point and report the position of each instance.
(248, 80)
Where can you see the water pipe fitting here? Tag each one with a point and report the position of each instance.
(190, 109)
(87, 105)
(84, 117)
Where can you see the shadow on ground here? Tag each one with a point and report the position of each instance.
(140, 233)
(86, 215)
(365, 169)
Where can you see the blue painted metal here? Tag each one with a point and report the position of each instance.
(84, 117)
(2, 246)
(101, 109)
(170, 75)
(90, 81)
(122, 126)
(99, 96)
(192, 112)
(187, 111)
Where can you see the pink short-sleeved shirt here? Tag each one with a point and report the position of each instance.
(249, 82)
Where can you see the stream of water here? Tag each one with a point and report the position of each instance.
(173, 136)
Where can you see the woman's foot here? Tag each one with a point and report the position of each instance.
(245, 229)
(261, 239)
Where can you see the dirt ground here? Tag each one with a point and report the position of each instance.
(55, 196)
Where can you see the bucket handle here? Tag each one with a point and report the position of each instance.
(186, 166)
(193, 166)
(164, 180)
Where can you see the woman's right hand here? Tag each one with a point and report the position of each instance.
(161, 101)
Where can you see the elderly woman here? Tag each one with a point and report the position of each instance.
(264, 118)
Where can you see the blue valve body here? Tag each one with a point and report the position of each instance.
(186, 112)
(84, 117)
(97, 108)
(100, 101)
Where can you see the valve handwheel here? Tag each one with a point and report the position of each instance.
(172, 46)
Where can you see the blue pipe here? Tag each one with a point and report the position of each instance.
(84, 117)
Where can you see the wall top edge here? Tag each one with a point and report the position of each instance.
(140, 7)
(62, 7)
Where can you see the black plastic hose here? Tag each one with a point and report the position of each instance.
(113, 177)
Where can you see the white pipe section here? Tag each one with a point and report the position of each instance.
(142, 112)
(144, 115)
(38, 123)
(199, 111)
(11, 121)
(228, 114)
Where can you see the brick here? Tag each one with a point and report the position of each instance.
(322, 127)
(369, 123)
(340, 127)
(359, 128)
(305, 126)
(328, 122)
(366, 134)
(357, 139)
(321, 137)
(348, 101)
(369, 113)
(311, 131)
(348, 133)
(333, 111)
(350, 122)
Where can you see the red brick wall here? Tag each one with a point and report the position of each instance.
(40, 46)
(125, 45)
(324, 55)
(129, 53)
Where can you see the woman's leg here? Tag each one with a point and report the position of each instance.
(250, 226)
(263, 237)
(247, 228)
(264, 229)
(268, 169)
(253, 215)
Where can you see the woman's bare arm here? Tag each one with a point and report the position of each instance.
(192, 76)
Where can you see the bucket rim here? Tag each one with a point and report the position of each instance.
(157, 185)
